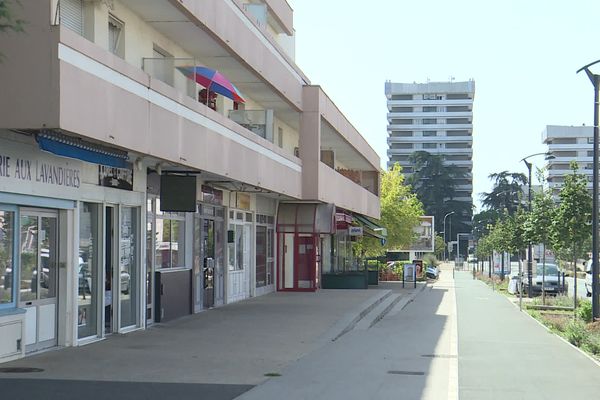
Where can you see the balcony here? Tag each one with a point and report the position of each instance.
(179, 74)
(259, 122)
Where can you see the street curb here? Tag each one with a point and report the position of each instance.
(554, 334)
(348, 322)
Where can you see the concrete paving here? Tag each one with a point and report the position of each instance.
(409, 354)
(505, 354)
(232, 346)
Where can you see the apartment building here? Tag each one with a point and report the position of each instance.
(136, 185)
(566, 144)
(436, 117)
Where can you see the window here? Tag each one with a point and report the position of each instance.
(7, 257)
(170, 239)
(429, 109)
(429, 145)
(280, 137)
(162, 65)
(429, 121)
(116, 43)
(264, 250)
(429, 133)
(71, 15)
(430, 96)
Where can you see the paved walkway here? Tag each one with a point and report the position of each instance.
(504, 354)
(409, 354)
(222, 351)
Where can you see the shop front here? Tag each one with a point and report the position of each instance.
(299, 230)
(69, 245)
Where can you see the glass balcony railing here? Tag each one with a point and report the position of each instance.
(175, 72)
(260, 122)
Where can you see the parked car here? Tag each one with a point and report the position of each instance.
(552, 280)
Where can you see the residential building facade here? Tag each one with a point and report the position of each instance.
(566, 144)
(134, 189)
(435, 117)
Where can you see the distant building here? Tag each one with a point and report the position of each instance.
(566, 144)
(436, 117)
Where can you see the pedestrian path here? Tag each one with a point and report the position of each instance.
(505, 354)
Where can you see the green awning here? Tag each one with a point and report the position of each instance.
(371, 228)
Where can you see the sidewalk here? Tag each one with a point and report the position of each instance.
(229, 346)
(505, 354)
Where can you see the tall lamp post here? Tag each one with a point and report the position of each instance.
(529, 251)
(446, 244)
(595, 79)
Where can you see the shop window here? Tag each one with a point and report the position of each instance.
(264, 250)
(170, 239)
(7, 253)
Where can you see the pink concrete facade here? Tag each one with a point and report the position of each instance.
(63, 81)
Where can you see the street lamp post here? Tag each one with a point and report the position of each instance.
(529, 250)
(595, 79)
(446, 244)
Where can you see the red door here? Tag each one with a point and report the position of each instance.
(305, 265)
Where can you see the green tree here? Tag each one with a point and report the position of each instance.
(506, 195)
(8, 22)
(400, 212)
(570, 228)
(482, 221)
(434, 183)
(439, 246)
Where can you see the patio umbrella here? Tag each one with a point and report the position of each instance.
(213, 81)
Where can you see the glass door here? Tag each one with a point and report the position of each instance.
(208, 262)
(88, 271)
(128, 271)
(38, 277)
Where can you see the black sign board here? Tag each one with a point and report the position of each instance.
(118, 178)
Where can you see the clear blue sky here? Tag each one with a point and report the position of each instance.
(522, 54)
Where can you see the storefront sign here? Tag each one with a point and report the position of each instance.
(243, 201)
(118, 178)
(21, 170)
(211, 195)
(355, 231)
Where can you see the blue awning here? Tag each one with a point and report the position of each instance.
(65, 146)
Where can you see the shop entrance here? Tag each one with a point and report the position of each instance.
(109, 269)
(298, 259)
(38, 284)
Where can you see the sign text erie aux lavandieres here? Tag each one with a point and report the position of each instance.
(38, 171)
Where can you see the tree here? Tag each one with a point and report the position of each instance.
(482, 221)
(537, 225)
(434, 183)
(439, 246)
(8, 22)
(570, 228)
(506, 196)
(400, 212)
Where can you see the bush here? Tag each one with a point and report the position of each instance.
(430, 259)
(556, 322)
(584, 311)
(576, 333)
(592, 344)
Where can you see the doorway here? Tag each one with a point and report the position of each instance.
(109, 268)
(298, 262)
(38, 284)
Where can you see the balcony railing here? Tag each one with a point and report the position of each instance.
(259, 122)
(179, 74)
(367, 179)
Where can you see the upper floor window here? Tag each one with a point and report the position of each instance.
(430, 96)
(429, 121)
(429, 109)
(116, 39)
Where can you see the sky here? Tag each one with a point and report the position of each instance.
(522, 54)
